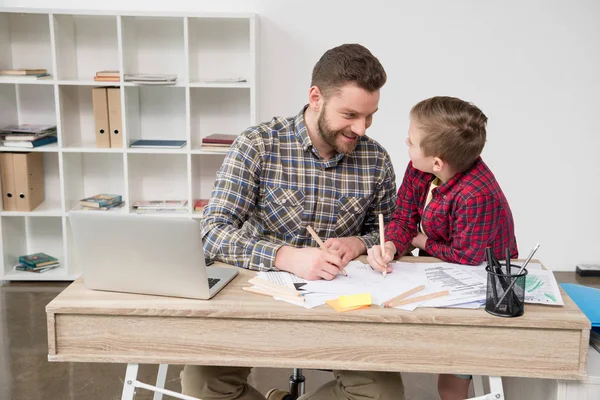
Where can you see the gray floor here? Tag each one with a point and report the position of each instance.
(26, 374)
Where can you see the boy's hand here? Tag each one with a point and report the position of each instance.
(348, 247)
(419, 241)
(379, 262)
(309, 262)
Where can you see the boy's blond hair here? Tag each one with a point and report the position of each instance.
(454, 130)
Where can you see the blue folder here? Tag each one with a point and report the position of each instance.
(587, 299)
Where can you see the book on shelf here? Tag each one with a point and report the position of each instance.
(37, 270)
(37, 260)
(219, 138)
(31, 129)
(101, 200)
(158, 144)
(111, 207)
(108, 74)
(151, 79)
(200, 204)
(157, 206)
(24, 136)
(30, 144)
(23, 72)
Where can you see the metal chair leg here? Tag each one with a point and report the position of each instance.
(297, 383)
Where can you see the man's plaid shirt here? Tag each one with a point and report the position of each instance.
(273, 183)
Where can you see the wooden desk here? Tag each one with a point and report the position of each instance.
(236, 328)
(243, 329)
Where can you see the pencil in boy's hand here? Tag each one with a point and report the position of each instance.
(382, 240)
(320, 243)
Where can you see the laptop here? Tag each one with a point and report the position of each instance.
(144, 254)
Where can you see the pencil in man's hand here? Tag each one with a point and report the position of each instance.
(321, 244)
(382, 240)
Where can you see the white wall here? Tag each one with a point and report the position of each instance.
(533, 67)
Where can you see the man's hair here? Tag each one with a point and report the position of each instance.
(348, 63)
(454, 130)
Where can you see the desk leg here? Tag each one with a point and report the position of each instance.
(130, 380)
(160, 380)
(496, 387)
(496, 390)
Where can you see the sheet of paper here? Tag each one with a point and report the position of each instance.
(355, 300)
(363, 279)
(464, 285)
(541, 288)
(281, 278)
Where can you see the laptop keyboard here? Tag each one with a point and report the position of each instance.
(212, 282)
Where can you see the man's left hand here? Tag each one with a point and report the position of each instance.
(348, 247)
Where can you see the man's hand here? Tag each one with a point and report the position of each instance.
(348, 247)
(419, 241)
(309, 262)
(378, 261)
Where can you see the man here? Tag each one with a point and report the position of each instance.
(315, 169)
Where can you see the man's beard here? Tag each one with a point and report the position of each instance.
(330, 136)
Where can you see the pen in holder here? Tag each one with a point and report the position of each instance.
(505, 292)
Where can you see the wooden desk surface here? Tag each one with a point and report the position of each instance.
(244, 329)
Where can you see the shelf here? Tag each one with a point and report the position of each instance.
(29, 234)
(89, 174)
(85, 45)
(153, 45)
(221, 85)
(25, 81)
(87, 82)
(25, 41)
(155, 112)
(49, 148)
(49, 208)
(207, 52)
(92, 150)
(145, 150)
(219, 48)
(56, 274)
(218, 111)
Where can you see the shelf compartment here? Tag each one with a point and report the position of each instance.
(85, 45)
(155, 113)
(154, 45)
(158, 177)
(89, 174)
(27, 104)
(25, 41)
(218, 110)
(219, 48)
(51, 206)
(28, 235)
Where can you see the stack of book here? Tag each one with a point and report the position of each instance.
(218, 141)
(159, 206)
(200, 204)
(28, 136)
(38, 263)
(101, 202)
(107, 76)
(25, 74)
(151, 79)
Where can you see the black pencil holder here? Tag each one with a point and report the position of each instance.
(505, 295)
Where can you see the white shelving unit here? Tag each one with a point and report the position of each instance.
(201, 49)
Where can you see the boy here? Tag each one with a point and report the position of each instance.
(449, 205)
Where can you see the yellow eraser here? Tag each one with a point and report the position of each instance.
(355, 300)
